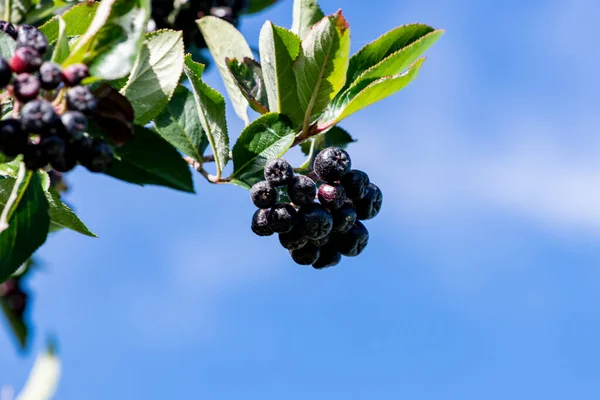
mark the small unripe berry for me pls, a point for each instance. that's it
(25, 59)
(306, 255)
(264, 195)
(352, 243)
(344, 218)
(38, 116)
(302, 190)
(332, 196)
(328, 257)
(9, 29)
(260, 223)
(282, 218)
(315, 221)
(356, 184)
(279, 172)
(13, 141)
(5, 73)
(29, 36)
(74, 74)
(293, 240)
(81, 98)
(332, 163)
(369, 206)
(26, 87)
(50, 75)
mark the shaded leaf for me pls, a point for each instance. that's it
(249, 78)
(17, 325)
(77, 20)
(113, 115)
(306, 14)
(254, 6)
(7, 46)
(61, 50)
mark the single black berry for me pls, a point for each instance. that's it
(356, 184)
(81, 98)
(264, 195)
(332, 196)
(352, 243)
(322, 241)
(50, 75)
(75, 124)
(25, 59)
(35, 157)
(328, 257)
(260, 223)
(9, 29)
(96, 156)
(74, 74)
(67, 162)
(302, 190)
(5, 73)
(29, 36)
(26, 87)
(53, 147)
(306, 255)
(282, 218)
(13, 141)
(38, 116)
(279, 172)
(293, 240)
(369, 206)
(314, 221)
(344, 218)
(332, 163)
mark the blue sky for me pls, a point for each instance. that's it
(480, 281)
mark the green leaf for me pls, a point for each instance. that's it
(270, 136)
(306, 14)
(148, 159)
(43, 378)
(335, 137)
(155, 74)
(321, 67)
(248, 76)
(211, 110)
(225, 41)
(7, 46)
(77, 20)
(179, 123)
(112, 42)
(25, 219)
(61, 216)
(14, 10)
(254, 6)
(392, 53)
(368, 92)
(279, 48)
(61, 50)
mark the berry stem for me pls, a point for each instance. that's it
(198, 167)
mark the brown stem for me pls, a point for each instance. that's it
(198, 167)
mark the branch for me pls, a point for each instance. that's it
(198, 167)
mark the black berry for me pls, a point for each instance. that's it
(75, 124)
(356, 184)
(315, 222)
(35, 157)
(264, 195)
(369, 206)
(306, 255)
(279, 172)
(25, 59)
(260, 223)
(9, 29)
(50, 75)
(352, 243)
(332, 196)
(81, 98)
(302, 190)
(13, 141)
(29, 36)
(16, 303)
(328, 257)
(321, 242)
(344, 218)
(96, 156)
(282, 218)
(38, 116)
(331, 164)
(74, 74)
(293, 240)
(5, 73)
(53, 147)
(67, 162)
(26, 87)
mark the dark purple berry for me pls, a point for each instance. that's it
(38, 116)
(352, 243)
(17, 302)
(314, 221)
(26, 87)
(29, 36)
(67, 162)
(35, 157)
(369, 206)
(293, 240)
(328, 257)
(54, 147)
(50, 75)
(264, 195)
(13, 141)
(282, 218)
(321, 242)
(306, 255)
(344, 218)
(5, 73)
(25, 59)
(302, 190)
(75, 124)
(332, 163)
(8, 287)
(332, 196)
(279, 172)
(81, 98)
(356, 184)
(96, 157)
(75, 73)
(260, 223)
(9, 29)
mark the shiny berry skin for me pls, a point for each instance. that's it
(96, 155)
(306, 255)
(328, 257)
(50, 75)
(81, 98)
(75, 124)
(292, 240)
(35, 157)
(25, 59)
(260, 223)
(321, 242)
(282, 218)
(356, 184)
(9, 29)
(5, 73)
(278, 172)
(38, 116)
(352, 243)
(29, 36)
(13, 141)
(264, 195)
(369, 206)
(344, 218)
(331, 164)
(314, 221)
(26, 87)
(331, 196)
(74, 74)
(302, 190)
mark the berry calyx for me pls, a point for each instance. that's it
(344, 218)
(264, 195)
(356, 184)
(282, 218)
(332, 196)
(302, 190)
(314, 221)
(81, 98)
(50, 75)
(26, 87)
(25, 59)
(9, 29)
(38, 116)
(278, 172)
(306, 255)
(29, 36)
(328, 257)
(352, 243)
(5, 73)
(260, 223)
(13, 141)
(331, 164)
(293, 240)
(369, 206)
(75, 73)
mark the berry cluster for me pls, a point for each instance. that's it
(317, 233)
(14, 297)
(51, 107)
